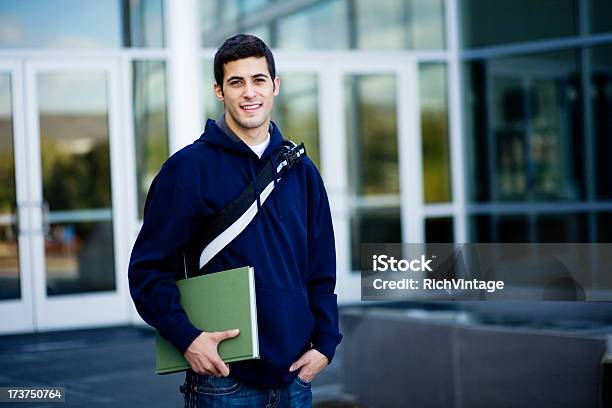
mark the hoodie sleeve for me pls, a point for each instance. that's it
(170, 218)
(322, 270)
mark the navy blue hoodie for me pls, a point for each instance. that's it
(290, 243)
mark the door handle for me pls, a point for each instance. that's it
(15, 225)
(45, 218)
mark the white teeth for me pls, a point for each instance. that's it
(251, 107)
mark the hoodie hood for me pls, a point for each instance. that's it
(215, 136)
(227, 140)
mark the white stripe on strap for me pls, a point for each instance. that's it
(216, 245)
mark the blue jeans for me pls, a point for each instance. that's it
(228, 392)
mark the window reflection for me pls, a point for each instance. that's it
(496, 228)
(524, 120)
(9, 246)
(296, 112)
(213, 108)
(81, 24)
(486, 23)
(427, 24)
(371, 140)
(604, 227)
(79, 258)
(372, 134)
(9, 262)
(323, 26)
(562, 228)
(434, 132)
(60, 24)
(74, 140)
(145, 21)
(600, 79)
(397, 24)
(262, 32)
(329, 24)
(150, 123)
(373, 225)
(74, 136)
(439, 230)
(519, 228)
(216, 13)
(381, 24)
(7, 160)
(600, 12)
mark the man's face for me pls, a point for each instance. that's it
(248, 92)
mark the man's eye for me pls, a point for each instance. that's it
(260, 80)
(235, 83)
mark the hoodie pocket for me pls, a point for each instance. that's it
(285, 324)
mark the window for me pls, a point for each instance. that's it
(600, 79)
(487, 23)
(434, 132)
(84, 24)
(524, 127)
(296, 111)
(398, 24)
(328, 24)
(601, 10)
(371, 115)
(74, 140)
(150, 123)
(439, 230)
(323, 26)
(9, 239)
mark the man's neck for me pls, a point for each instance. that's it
(251, 137)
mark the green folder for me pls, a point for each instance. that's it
(216, 302)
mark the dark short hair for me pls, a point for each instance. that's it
(238, 47)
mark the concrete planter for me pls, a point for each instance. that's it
(401, 358)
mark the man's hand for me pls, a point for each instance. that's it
(202, 353)
(310, 364)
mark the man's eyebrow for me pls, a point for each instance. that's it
(258, 75)
(234, 77)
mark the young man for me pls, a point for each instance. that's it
(290, 243)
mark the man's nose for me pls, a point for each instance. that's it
(249, 91)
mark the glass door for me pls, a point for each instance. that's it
(365, 110)
(378, 129)
(74, 184)
(15, 261)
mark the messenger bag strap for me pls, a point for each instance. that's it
(238, 214)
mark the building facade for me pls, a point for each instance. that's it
(430, 120)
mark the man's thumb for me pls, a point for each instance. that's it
(228, 334)
(301, 361)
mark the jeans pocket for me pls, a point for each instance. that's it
(211, 385)
(302, 382)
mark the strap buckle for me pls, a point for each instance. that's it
(291, 158)
(293, 155)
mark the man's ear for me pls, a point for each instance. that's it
(276, 86)
(218, 92)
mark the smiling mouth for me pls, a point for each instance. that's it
(251, 107)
